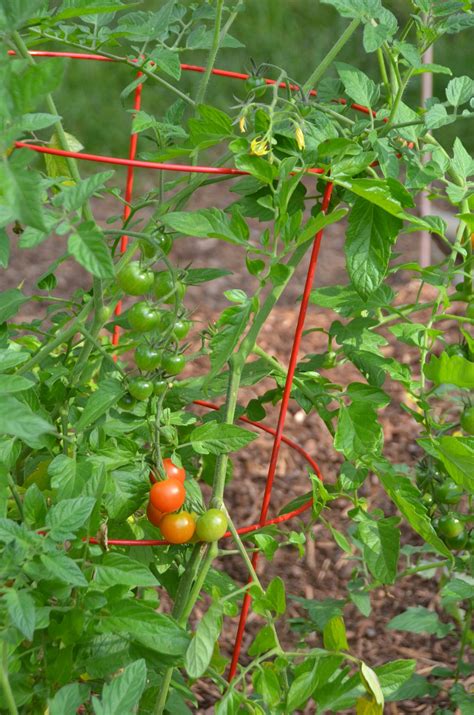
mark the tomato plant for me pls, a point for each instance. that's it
(384, 364)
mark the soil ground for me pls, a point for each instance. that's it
(325, 569)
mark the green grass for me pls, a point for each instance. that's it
(294, 34)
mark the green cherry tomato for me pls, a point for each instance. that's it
(467, 420)
(127, 402)
(167, 289)
(158, 244)
(256, 85)
(212, 525)
(456, 542)
(172, 363)
(135, 280)
(450, 526)
(181, 328)
(447, 492)
(458, 349)
(147, 358)
(427, 499)
(144, 317)
(159, 386)
(105, 313)
(140, 388)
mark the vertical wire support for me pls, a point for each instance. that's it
(132, 151)
(281, 420)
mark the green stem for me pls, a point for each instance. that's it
(318, 72)
(216, 40)
(424, 567)
(12, 485)
(7, 691)
(466, 632)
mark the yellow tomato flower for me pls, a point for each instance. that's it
(299, 136)
(242, 124)
(259, 146)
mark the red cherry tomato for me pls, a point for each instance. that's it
(153, 515)
(168, 495)
(172, 471)
(178, 528)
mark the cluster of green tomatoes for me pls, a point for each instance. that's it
(165, 510)
(442, 496)
(159, 329)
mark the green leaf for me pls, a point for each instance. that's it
(457, 455)
(392, 675)
(21, 609)
(457, 590)
(316, 223)
(68, 477)
(10, 301)
(371, 682)
(370, 236)
(459, 90)
(358, 431)
(74, 197)
(123, 693)
(68, 516)
(77, 8)
(206, 223)
(420, 620)
(167, 61)
(14, 383)
(117, 568)
(256, 166)
(127, 494)
(408, 500)
(377, 192)
(381, 544)
(334, 634)
(450, 370)
(210, 127)
(87, 245)
(4, 248)
(275, 595)
(302, 688)
(263, 641)
(143, 624)
(196, 276)
(107, 395)
(231, 326)
(68, 699)
(217, 438)
(358, 86)
(200, 650)
(62, 568)
(19, 420)
(34, 506)
(39, 120)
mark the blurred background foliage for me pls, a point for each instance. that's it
(293, 34)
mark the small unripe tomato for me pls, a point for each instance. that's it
(467, 420)
(456, 542)
(172, 471)
(450, 526)
(135, 280)
(140, 388)
(153, 515)
(173, 363)
(168, 495)
(147, 358)
(212, 525)
(160, 386)
(104, 314)
(256, 85)
(178, 528)
(181, 328)
(144, 317)
(127, 402)
(167, 288)
(447, 492)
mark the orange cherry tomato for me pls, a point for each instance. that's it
(168, 495)
(172, 471)
(154, 516)
(178, 528)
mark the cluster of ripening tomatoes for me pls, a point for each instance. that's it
(164, 510)
(157, 354)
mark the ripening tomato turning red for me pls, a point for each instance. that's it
(178, 528)
(168, 495)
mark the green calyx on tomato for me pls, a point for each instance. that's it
(178, 528)
(167, 288)
(140, 388)
(450, 525)
(173, 363)
(467, 420)
(211, 526)
(147, 358)
(135, 280)
(144, 317)
(168, 495)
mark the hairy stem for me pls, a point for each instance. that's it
(318, 72)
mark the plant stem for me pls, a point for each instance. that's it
(318, 72)
(7, 691)
(12, 485)
(424, 567)
(216, 40)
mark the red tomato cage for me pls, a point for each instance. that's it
(277, 433)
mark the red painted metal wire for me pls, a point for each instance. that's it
(279, 437)
(281, 421)
(132, 151)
